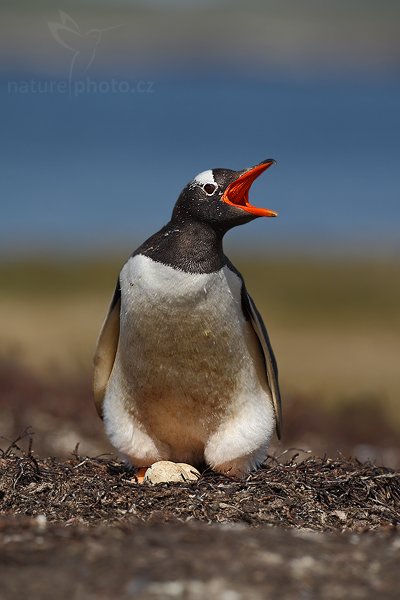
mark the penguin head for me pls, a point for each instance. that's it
(220, 197)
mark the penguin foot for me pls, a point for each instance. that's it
(165, 471)
(140, 474)
(239, 469)
(232, 472)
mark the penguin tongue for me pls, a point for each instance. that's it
(237, 193)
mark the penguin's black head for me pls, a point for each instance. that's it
(220, 197)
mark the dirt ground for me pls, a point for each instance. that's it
(193, 561)
(83, 528)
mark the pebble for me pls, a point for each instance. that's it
(165, 471)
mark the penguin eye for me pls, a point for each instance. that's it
(210, 188)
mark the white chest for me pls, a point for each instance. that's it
(170, 311)
(146, 281)
(181, 334)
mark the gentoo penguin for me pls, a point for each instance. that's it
(184, 369)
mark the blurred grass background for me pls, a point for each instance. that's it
(313, 83)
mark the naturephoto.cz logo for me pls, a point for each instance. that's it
(82, 46)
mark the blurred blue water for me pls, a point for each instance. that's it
(103, 169)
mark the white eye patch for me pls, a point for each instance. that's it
(206, 180)
(205, 177)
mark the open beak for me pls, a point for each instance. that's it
(237, 193)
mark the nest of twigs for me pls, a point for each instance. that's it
(320, 494)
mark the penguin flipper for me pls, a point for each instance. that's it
(271, 366)
(106, 349)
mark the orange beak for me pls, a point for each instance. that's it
(237, 193)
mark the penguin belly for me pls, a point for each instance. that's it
(188, 382)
